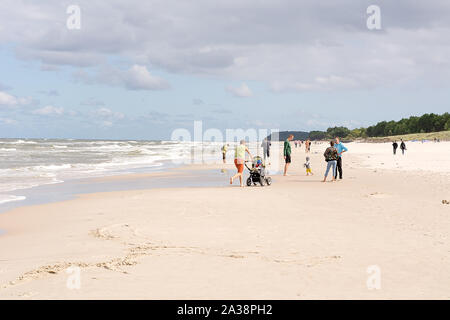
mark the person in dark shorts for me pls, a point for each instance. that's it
(287, 153)
(403, 146)
(395, 146)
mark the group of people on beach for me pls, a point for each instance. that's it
(402, 146)
(333, 157)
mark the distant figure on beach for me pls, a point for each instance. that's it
(307, 146)
(340, 150)
(265, 145)
(402, 146)
(287, 153)
(395, 146)
(239, 159)
(331, 156)
(224, 152)
(307, 165)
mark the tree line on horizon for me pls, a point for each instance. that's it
(426, 123)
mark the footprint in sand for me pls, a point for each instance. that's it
(378, 195)
(27, 294)
(115, 231)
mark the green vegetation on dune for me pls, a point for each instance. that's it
(427, 126)
(426, 123)
(441, 135)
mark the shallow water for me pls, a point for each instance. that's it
(31, 163)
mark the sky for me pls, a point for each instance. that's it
(141, 69)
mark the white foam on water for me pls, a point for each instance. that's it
(30, 163)
(4, 198)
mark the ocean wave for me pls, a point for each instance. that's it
(4, 198)
(41, 162)
(23, 142)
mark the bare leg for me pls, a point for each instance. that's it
(286, 165)
(235, 176)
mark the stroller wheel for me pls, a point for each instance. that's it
(249, 182)
(262, 182)
(269, 181)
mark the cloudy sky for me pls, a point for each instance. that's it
(140, 69)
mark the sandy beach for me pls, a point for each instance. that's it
(297, 239)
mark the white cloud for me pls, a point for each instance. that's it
(106, 113)
(50, 93)
(139, 78)
(290, 44)
(8, 121)
(92, 102)
(105, 117)
(242, 92)
(12, 101)
(49, 110)
(136, 77)
(106, 123)
(319, 83)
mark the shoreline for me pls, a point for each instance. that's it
(134, 181)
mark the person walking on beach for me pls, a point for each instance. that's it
(331, 156)
(224, 152)
(239, 159)
(265, 145)
(395, 146)
(307, 146)
(307, 165)
(403, 147)
(287, 153)
(340, 149)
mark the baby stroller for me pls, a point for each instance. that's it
(257, 173)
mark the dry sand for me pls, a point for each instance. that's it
(297, 239)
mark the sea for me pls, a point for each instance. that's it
(32, 163)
